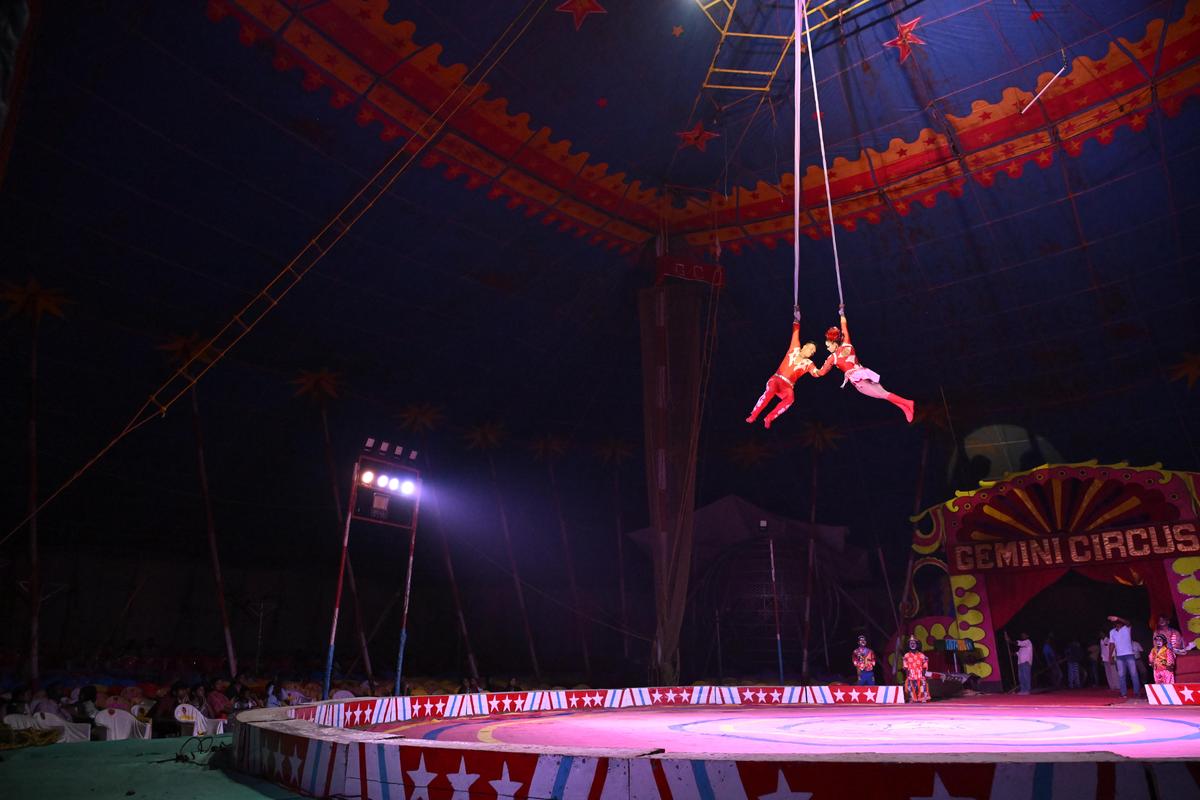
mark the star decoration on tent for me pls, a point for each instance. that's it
(486, 436)
(321, 384)
(697, 137)
(820, 437)
(905, 39)
(677, 31)
(1187, 370)
(32, 300)
(748, 453)
(581, 10)
(421, 417)
(548, 447)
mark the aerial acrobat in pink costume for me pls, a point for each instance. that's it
(866, 381)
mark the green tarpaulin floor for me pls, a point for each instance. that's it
(129, 769)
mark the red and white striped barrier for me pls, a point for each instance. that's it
(1173, 694)
(361, 712)
(327, 764)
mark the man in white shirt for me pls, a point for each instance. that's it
(1025, 662)
(1122, 640)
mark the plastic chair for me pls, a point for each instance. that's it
(19, 722)
(120, 724)
(141, 709)
(343, 694)
(194, 723)
(70, 731)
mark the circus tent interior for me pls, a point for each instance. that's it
(549, 253)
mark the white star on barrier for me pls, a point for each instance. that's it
(441, 707)
(839, 695)
(599, 699)
(1186, 694)
(278, 763)
(854, 695)
(296, 761)
(265, 752)
(939, 791)
(421, 779)
(656, 696)
(761, 695)
(461, 781)
(504, 786)
(784, 792)
(671, 696)
(493, 704)
(587, 701)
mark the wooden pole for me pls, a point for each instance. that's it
(350, 580)
(512, 565)
(808, 585)
(569, 561)
(35, 570)
(211, 527)
(621, 561)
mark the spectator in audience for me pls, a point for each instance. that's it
(1075, 660)
(199, 697)
(275, 697)
(244, 699)
(218, 701)
(85, 707)
(46, 702)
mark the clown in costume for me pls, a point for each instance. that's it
(797, 362)
(842, 356)
(915, 664)
(864, 661)
(1162, 660)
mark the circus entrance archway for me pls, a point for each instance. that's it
(1073, 608)
(998, 547)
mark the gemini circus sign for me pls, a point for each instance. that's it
(1068, 550)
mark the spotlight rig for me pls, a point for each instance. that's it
(388, 488)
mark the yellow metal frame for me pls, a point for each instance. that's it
(721, 14)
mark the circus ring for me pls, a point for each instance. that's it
(725, 742)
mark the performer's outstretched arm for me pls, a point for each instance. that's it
(845, 331)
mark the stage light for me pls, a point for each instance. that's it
(408, 488)
(382, 482)
(368, 478)
(394, 484)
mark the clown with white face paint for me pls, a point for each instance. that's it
(864, 662)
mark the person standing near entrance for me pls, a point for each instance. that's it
(1122, 639)
(1109, 658)
(1025, 663)
(1173, 637)
(864, 662)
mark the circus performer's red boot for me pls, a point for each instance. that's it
(902, 403)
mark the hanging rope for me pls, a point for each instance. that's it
(837, 267)
(797, 63)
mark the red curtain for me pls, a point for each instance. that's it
(1008, 592)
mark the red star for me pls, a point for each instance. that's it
(581, 9)
(697, 137)
(1035, 16)
(905, 38)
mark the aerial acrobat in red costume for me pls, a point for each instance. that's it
(866, 381)
(796, 363)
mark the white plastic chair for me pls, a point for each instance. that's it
(343, 694)
(141, 709)
(196, 724)
(120, 724)
(19, 722)
(70, 731)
